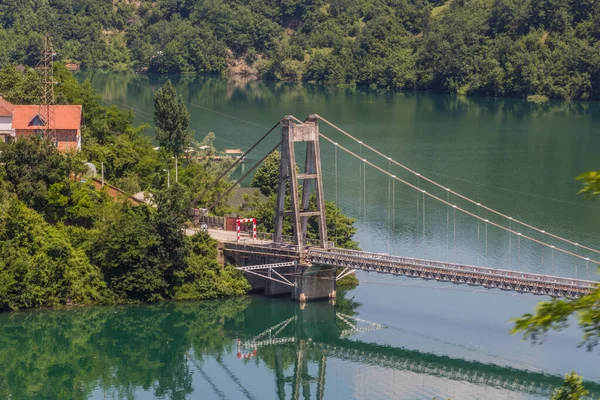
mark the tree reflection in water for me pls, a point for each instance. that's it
(163, 349)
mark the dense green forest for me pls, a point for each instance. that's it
(467, 47)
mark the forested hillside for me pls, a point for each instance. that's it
(472, 47)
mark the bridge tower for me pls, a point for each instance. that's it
(311, 178)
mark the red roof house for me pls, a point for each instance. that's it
(6, 108)
(27, 121)
(6, 117)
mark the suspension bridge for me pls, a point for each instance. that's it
(309, 268)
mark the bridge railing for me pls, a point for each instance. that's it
(266, 236)
(455, 267)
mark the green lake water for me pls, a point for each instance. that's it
(421, 339)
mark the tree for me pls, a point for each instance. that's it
(266, 178)
(127, 250)
(554, 315)
(33, 165)
(172, 121)
(38, 264)
(572, 388)
(171, 213)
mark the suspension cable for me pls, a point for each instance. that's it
(225, 193)
(456, 207)
(239, 160)
(458, 194)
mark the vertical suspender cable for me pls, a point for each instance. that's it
(336, 195)
(365, 190)
(418, 185)
(389, 199)
(587, 270)
(360, 186)
(519, 257)
(542, 258)
(576, 252)
(543, 252)
(454, 231)
(394, 206)
(447, 223)
(423, 216)
(478, 240)
(510, 244)
(486, 243)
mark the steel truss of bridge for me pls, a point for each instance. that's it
(521, 282)
(491, 278)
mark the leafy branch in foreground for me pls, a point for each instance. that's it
(591, 183)
(554, 315)
(572, 388)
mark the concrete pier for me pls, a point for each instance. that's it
(310, 282)
(315, 283)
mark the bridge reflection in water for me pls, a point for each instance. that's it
(285, 350)
(305, 337)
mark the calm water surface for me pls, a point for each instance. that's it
(434, 340)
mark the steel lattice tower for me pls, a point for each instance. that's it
(292, 133)
(46, 70)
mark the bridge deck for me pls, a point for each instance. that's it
(522, 282)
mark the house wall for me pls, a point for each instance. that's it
(5, 124)
(68, 139)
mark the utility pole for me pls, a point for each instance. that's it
(168, 171)
(46, 70)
